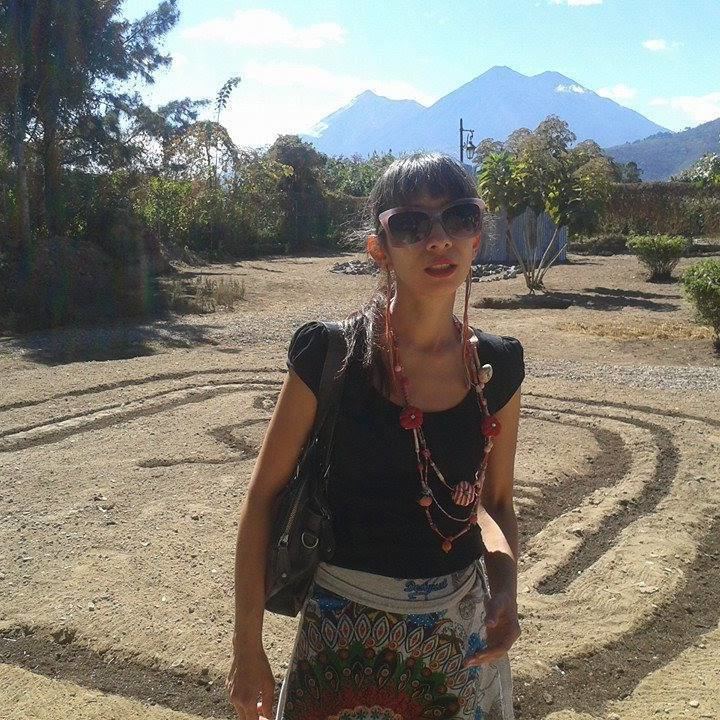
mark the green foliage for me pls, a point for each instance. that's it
(65, 62)
(701, 284)
(538, 171)
(607, 244)
(305, 221)
(356, 175)
(221, 99)
(659, 253)
(704, 173)
(500, 186)
(661, 208)
(628, 172)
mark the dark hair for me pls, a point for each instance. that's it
(433, 174)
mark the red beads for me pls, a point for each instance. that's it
(425, 500)
(490, 426)
(464, 493)
(411, 418)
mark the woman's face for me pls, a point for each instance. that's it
(419, 267)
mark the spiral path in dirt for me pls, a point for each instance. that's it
(117, 524)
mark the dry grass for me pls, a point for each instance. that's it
(631, 330)
(205, 294)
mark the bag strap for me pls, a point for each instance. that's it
(329, 394)
(331, 382)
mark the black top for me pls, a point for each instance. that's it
(379, 526)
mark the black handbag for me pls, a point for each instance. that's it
(301, 534)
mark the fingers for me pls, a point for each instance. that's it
(493, 653)
(246, 705)
(485, 657)
(268, 698)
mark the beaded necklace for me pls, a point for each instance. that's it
(465, 493)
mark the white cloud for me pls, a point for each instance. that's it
(283, 98)
(265, 28)
(657, 45)
(660, 45)
(317, 78)
(697, 108)
(179, 61)
(617, 92)
(577, 3)
(571, 88)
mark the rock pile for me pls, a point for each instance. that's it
(356, 267)
(493, 271)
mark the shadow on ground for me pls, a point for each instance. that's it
(117, 340)
(601, 298)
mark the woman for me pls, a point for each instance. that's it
(415, 614)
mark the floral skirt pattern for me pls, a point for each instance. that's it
(376, 648)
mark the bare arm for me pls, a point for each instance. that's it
(284, 440)
(500, 534)
(497, 516)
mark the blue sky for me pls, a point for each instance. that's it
(301, 60)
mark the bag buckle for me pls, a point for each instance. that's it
(310, 542)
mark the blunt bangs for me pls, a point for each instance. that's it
(407, 178)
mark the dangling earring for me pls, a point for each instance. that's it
(467, 359)
(388, 337)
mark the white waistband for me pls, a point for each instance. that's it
(399, 595)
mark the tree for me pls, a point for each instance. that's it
(704, 173)
(540, 173)
(486, 147)
(304, 205)
(65, 61)
(356, 175)
(631, 173)
(163, 127)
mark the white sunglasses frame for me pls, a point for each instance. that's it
(385, 216)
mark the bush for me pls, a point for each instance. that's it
(203, 295)
(659, 253)
(608, 244)
(662, 207)
(701, 283)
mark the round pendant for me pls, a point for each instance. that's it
(447, 546)
(486, 373)
(464, 494)
(425, 500)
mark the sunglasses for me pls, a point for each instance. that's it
(460, 220)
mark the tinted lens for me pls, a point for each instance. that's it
(462, 221)
(408, 227)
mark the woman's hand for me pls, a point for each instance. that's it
(250, 677)
(503, 629)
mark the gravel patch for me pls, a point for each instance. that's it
(654, 377)
(128, 340)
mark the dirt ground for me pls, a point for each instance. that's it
(125, 453)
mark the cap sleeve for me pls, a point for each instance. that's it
(506, 355)
(306, 354)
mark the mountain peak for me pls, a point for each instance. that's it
(554, 76)
(494, 104)
(501, 71)
(367, 95)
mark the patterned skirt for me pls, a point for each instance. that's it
(370, 647)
